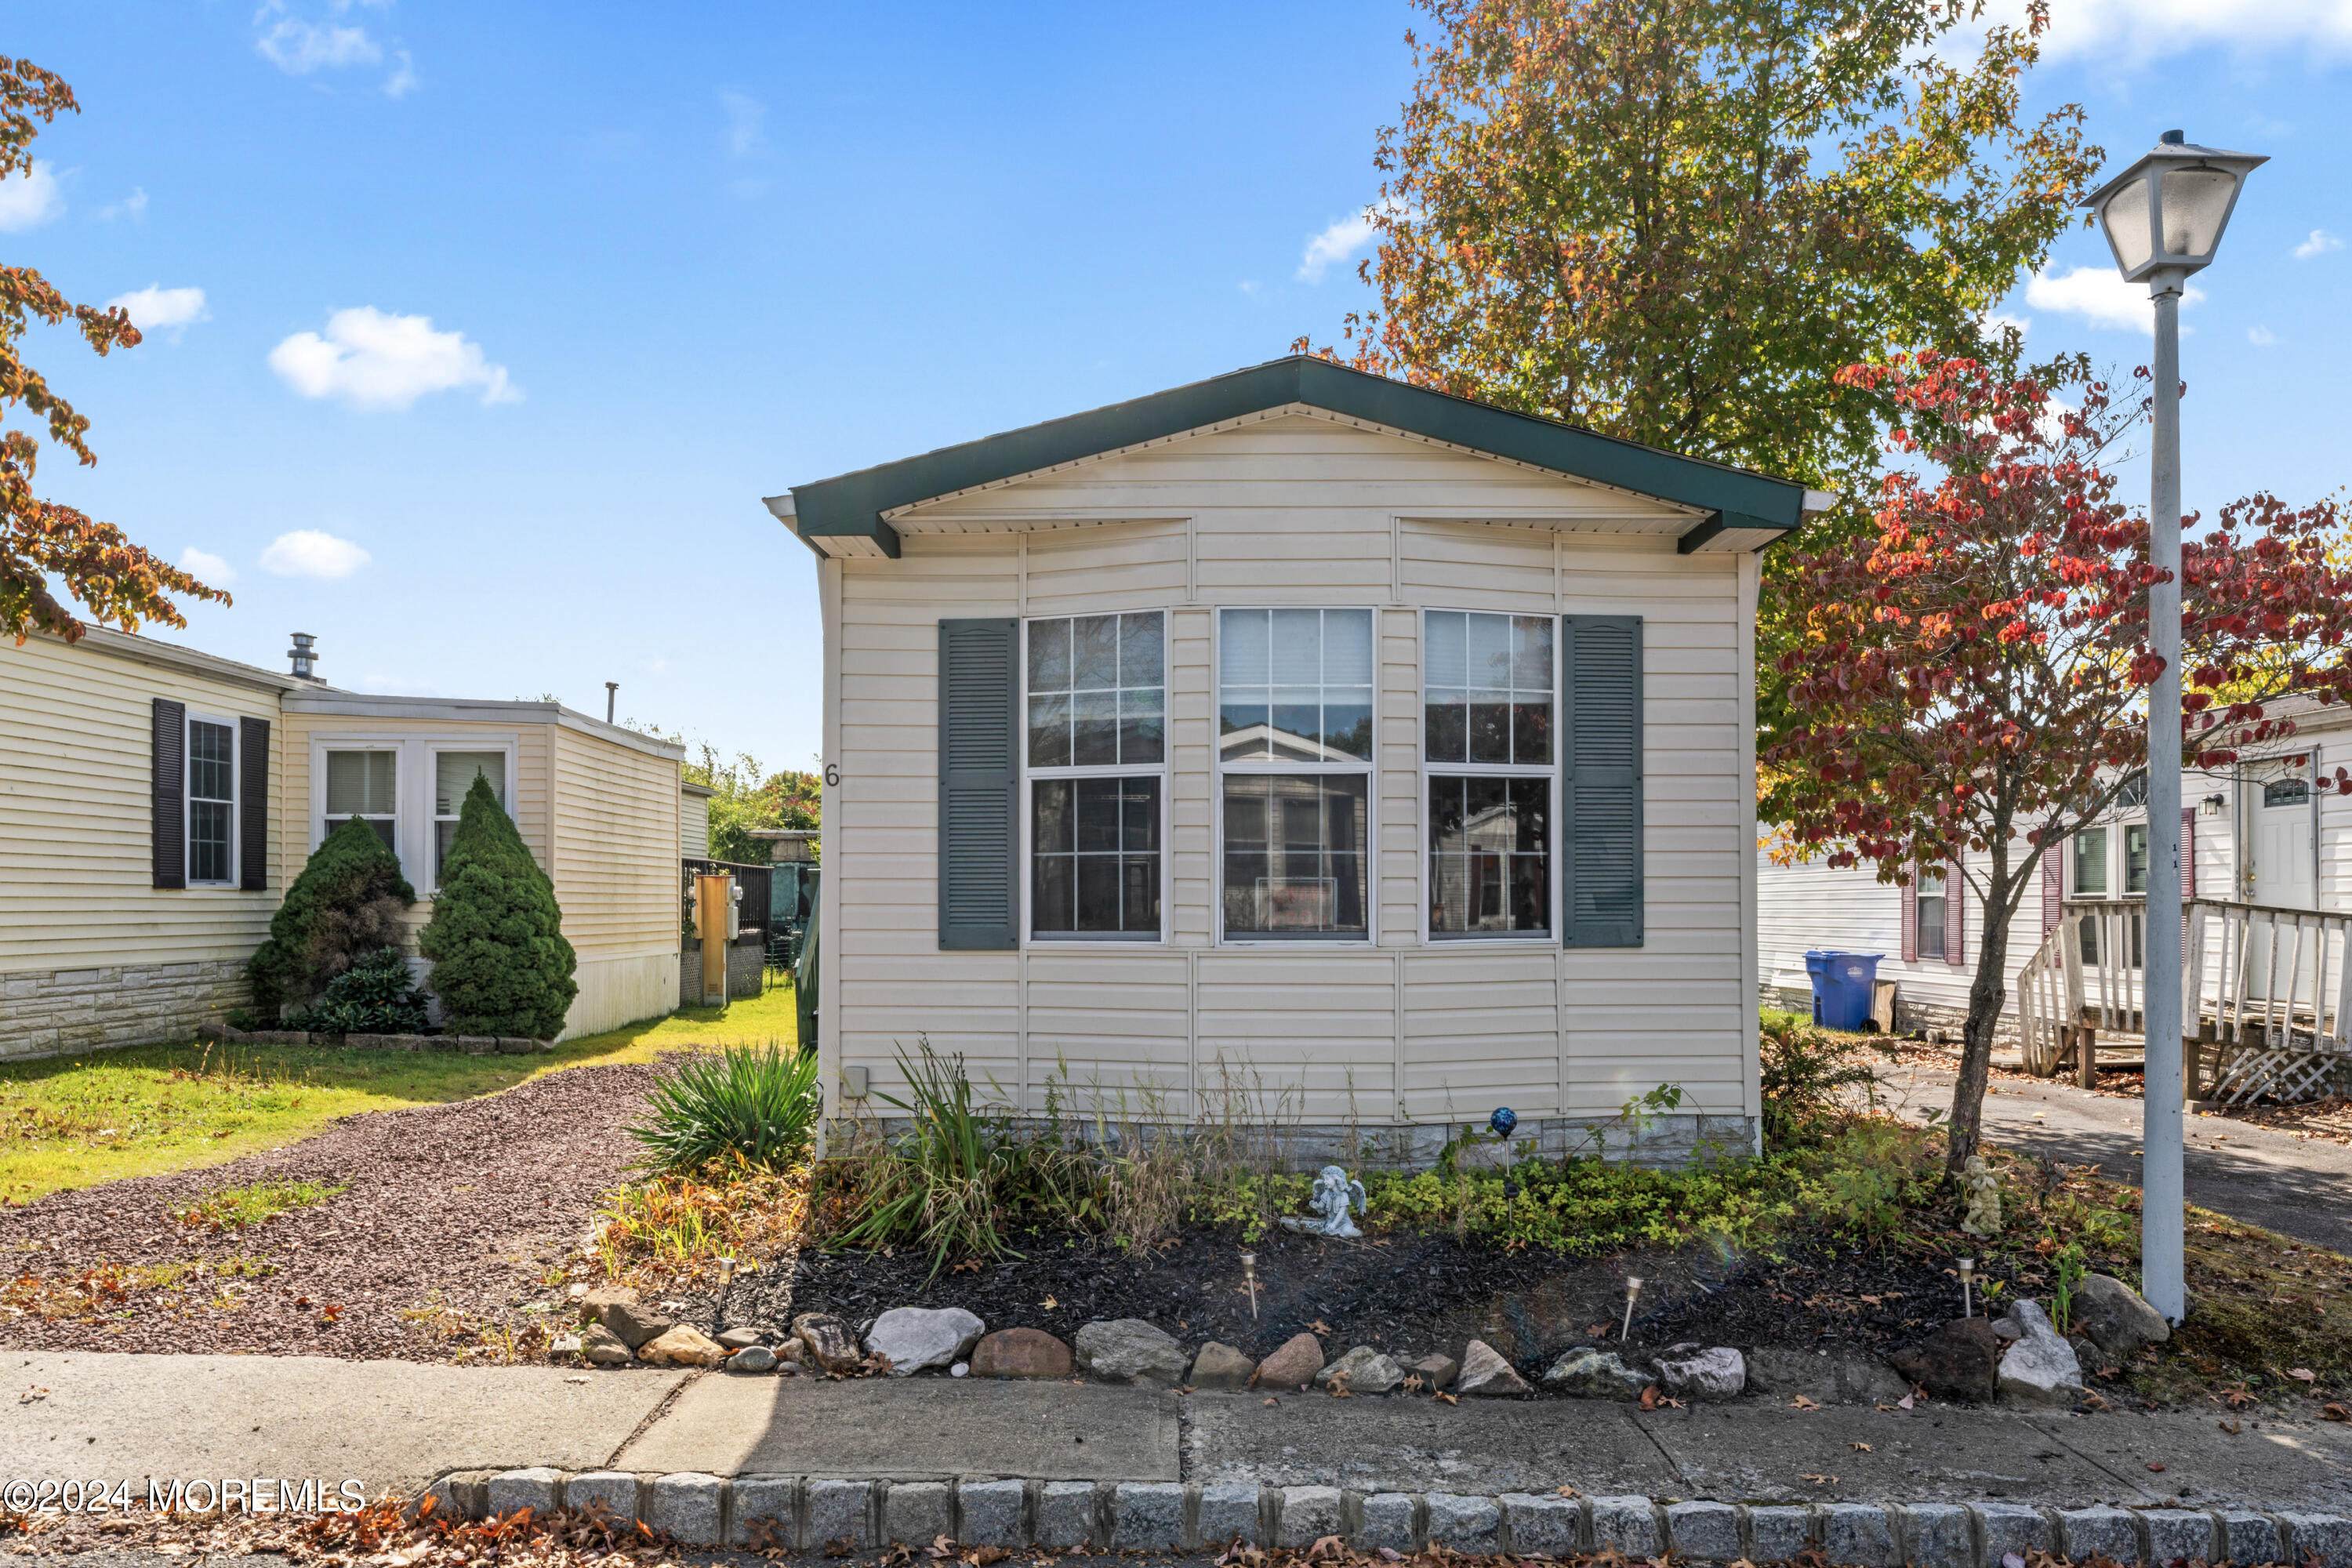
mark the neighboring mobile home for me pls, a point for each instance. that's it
(1386, 754)
(156, 802)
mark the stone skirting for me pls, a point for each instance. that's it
(47, 1013)
(1664, 1142)
(808, 1513)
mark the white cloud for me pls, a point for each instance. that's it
(207, 566)
(2133, 32)
(155, 307)
(371, 360)
(2101, 297)
(308, 553)
(747, 118)
(2260, 337)
(1995, 323)
(132, 206)
(299, 47)
(28, 200)
(1250, 286)
(402, 81)
(2319, 243)
(1335, 243)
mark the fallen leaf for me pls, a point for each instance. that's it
(1447, 1397)
(2303, 1374)
(1905, 1403)
(32, 1396)
(1860, 1447)
(1412, 1384)
(1566, 1491)
(1598, 1329)
(2158, 1468)
(1819, 1481)
(1802, 1403)
(575, 1380)
(2238, 1398)
(1327, 1546)
(1049, 1303)
(1320, 1327)
(1269, 1401)
(2232, 1428)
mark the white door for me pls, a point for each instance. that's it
(2283, 876)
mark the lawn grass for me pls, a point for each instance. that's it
(76, 1121)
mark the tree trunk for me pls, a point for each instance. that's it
(1988, 993)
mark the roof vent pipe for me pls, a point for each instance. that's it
(304, 655)
(611, 695)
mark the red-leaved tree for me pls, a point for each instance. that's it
(1973, 673)
(40, 540)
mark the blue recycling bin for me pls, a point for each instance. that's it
(1843, 984)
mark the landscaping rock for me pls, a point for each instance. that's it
(2006, 1330)
(1364, 1370)
(1435, 1371)
(1826, 1378)
(563, 1344)
(1020, 1352)
(752, 1358)
(1955, 1362)
(737, 1338)
(1717, 1373)
(826, 1341)
(1487, 1375)
(2115, 1316)
(681, 1346)
(1590, 1374)
(2040, 1368)
(1293, 1365)
(600, 1346)
(917, 1338)
(1129, 1350)
(618, 1309)
(1221, 1367)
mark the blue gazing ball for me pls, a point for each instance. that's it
(1502, 1122)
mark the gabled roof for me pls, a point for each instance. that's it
(848, 515)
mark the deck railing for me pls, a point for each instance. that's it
(2265, 993)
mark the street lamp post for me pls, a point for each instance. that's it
(2163, 219)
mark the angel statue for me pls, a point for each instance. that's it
(1334, 1190)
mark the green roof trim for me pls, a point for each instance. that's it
(851, 507)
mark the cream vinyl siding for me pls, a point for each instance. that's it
(1304, 511)
(76, 867)
(615, 873)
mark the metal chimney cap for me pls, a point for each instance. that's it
(303, 655)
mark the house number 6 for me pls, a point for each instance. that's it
(832, 774)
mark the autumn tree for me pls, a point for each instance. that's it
(114, 579)
(1971, 684)
(1674, 221)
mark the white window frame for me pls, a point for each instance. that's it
(412, 822)
(1083, 942)
(1427, 769)
(188, 796)
(431, 771)
(1218, 767)
(1944, 884)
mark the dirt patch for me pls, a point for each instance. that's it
(453, 1223)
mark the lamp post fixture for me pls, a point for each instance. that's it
(2163, 217)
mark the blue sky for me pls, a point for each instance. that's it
(509, 316)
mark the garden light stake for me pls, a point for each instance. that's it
(1968, 1272)
(1249, 1273)
(726, 1282)
(1633, 1288)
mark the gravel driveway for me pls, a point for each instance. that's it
(454, 1219)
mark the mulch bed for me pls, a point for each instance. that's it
(455, 1217)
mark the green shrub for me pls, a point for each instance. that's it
(375, 996)
(758, 1104)
(346, 903)
(1804, 1071)
(500, 965)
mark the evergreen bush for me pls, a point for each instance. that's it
(500, 965)
(374, 996)
(346, 904)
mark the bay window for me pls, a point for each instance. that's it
(1487, 743)
(364, 785)
(1294, 761)
(1096, 742)
(454, 774)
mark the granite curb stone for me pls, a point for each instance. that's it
(615, 1489)
(1705, 1531)
(1309, 1514)
(1470, 1525)
(538, 1488)
(1066, 1515)
(918, 1512)
(838, 1511)
(1940, 1535)
(1861, 1533)
(690, 1507)
(2108, 1532)
(989, 1513)
(762, 1501)
(1388, 1523)
(1628, 1525)
(2249, 1537)
(1545, 1526)
(1776, 1533)
(1147, 1516)
(2007, 1527)
(1226, 1513)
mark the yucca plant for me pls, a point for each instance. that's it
(939, 1183)
(757, 1103)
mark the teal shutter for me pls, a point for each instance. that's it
(979, 776)
(1601, 795)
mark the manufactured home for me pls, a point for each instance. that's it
(1385, 756)
(156, 801)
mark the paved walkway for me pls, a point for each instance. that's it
(396, 1425)
(2300, 1187)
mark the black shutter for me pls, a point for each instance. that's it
(170, 783)
(253, 804)
(980, 830)
(1600, 815)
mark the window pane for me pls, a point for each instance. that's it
(1097, 815)
(1142, 725)
(1931, 925)
(2091, 863)
(1531, 732)
(1489, 861)
(359, 784)
(1142, 658)
(1298, 723)
(1049, 656)
(2287, 792)
(1094, 652)
(442, 832)
(1140, 908)
(1094, 728)
(208, 840)
(1049, 731)
(1348, 722)
(1242, 724)
(210, 747)
(1490, 731)
(1309, 878)
(385, 829)
(1446, 727)
(1054, 894)
(2136, 857)
(1531, 653)
(454, 774)
(1298, 647)
(1446, 661)
(1139, 815)
(1052, 828)
(1347, 647)
(1245, 656)
(1490, 654)
(1099, 892)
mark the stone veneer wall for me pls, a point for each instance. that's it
(53, 1012)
